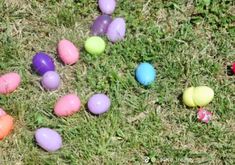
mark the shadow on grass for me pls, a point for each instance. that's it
(229, 70)
(180, 98)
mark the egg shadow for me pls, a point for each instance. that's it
(58, 59)
(33, 71)
(229, 70)
(180, 98)
(87, 110)
(82, 49)
(34, 142)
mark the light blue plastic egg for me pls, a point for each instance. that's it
(145, 74)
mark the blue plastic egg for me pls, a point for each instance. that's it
(145, 74)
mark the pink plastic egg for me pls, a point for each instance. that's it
(68, 52)
(67, 105)
(107, 6)
(204, 115)
(2, 112)
(116, 30)
(9, 82)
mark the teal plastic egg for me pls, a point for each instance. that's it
(145, 74)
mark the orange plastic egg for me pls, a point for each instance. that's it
(6, 125)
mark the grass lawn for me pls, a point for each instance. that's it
(190, 43)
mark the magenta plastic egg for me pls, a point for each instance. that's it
(51, 80)
(9, 82)
(67, 105)
(68, 52)
(48, 139)
(116, 30)
(100, 25)
(98, 104)
(107, 6)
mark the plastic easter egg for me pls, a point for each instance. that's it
(95, 45)
(98, 104)
(198, 96)
(107, 6)
(2, 112)
(116, 30)
(188, 97)
(233, 68)
(145, 74)
(202, 95)
(51, 80)
(48, 139)
(67, 105)
(9, 82)
(204, 115)
(43, 63)
(68, 52)
(6, 125)
(100, 25)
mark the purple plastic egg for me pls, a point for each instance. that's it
(98, 104)
(48, 139)
(116, 30)
(107, 6)
(51, 80)
(43, 63)
(100, 25)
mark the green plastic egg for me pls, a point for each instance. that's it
(95, 45)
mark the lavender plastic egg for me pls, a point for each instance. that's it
(116, 30)
(43, 63)
(98, 104)
(107, 6)
(51, 80)
(48, 139)
(100, 25)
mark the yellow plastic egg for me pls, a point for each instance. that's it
(203, 95)
(198, 96)
(188, 97)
